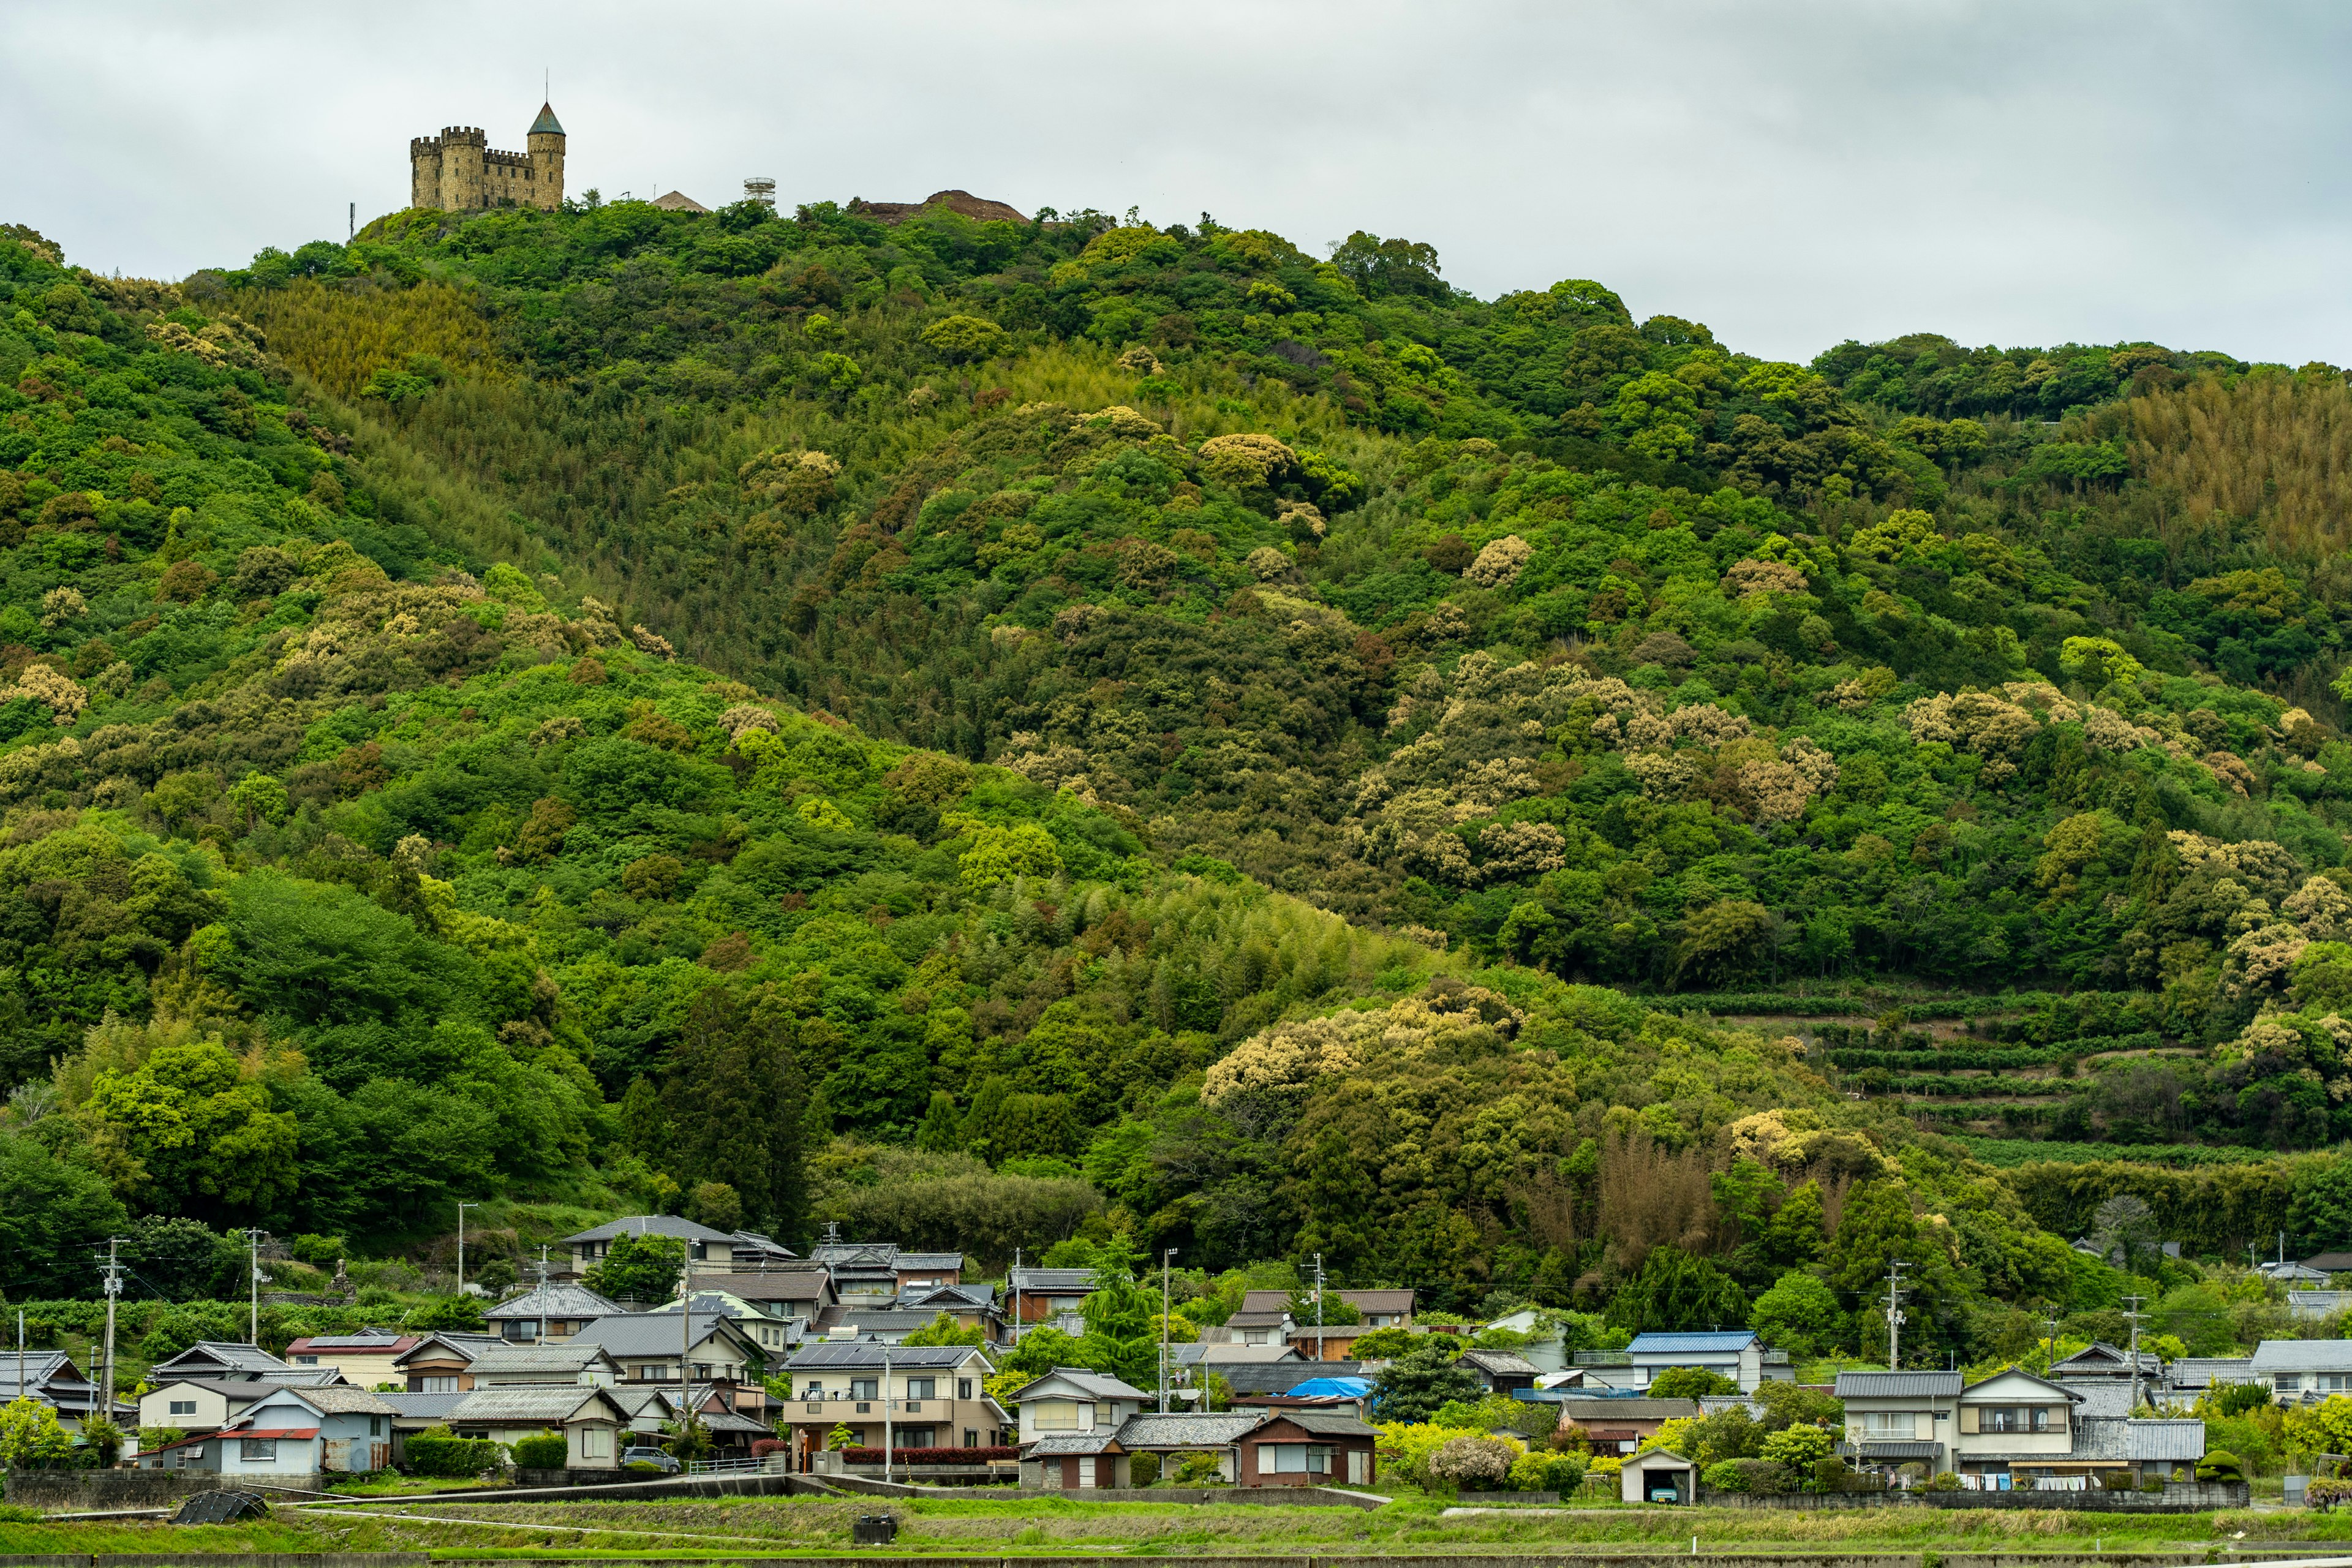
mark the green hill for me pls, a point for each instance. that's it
(988, 730)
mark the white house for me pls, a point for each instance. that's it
(1738, 1354)
(2304, 1371)
(1070, 1401)
(2010, 1430)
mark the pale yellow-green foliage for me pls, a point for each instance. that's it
(338, 336)
(2271, 448)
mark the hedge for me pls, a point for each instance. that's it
(543, 1451)
(930, 1456)
(435, 1451)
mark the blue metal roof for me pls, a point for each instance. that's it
(1673, 1344)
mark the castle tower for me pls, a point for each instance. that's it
(424, 171)
(546, 144)
(464, 150)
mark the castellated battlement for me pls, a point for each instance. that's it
(459, 171)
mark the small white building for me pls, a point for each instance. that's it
(1740, 1355)
(289, 1432)
(1658, 1475)
(1071, 1402)
(589, 1418)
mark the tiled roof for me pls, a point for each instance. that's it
(553, 1301)
(345, 1401)
(646, 1333)
(559, 1402)
(2106, 1396)
(2330, 1262)
(424, 1406)
(651, 1225)
(1248, 1318)
(2101, 1437)
(1378, 1300)
(2204, 1371)
(449, 1342)
(1501, 1364)
(1326, 1423)
(1058, 1444)
(1186, 1431)
(1092, 1384)
(228, 1353)
(1265, 1301)
(2301, 1355)
(555, 1356)
(1602, 1411)
(771, 1285)
(1900, 1448)
(366, 1340)
(1898, 1385)
(1224, 1355)
(1051, 1282)
(944, 1262)
(1692, 1344)
(546, 124)
(828, 1353)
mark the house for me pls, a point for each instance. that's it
(2336, 1261)
(2194, 1374)
(414, 1413)
(442, 1362)
(1544, 1348)
(1738, 1354)
(932, 1396)
(703, 1245)
(1276, 1377)
(2306, 1371)
(1308, 1449)
(1659, 1476)
(1335, 1341)
(1499, 1372)
(878, 1325)
(968, 1306)
(756, 1254)
(2306, 1302)
(864, 1273)
(1170, 1436)
(291, 1433)
(198, 1404)
(648, 1411)
(796, 1295)
(1216, 1356)
(1381, 1309)
(2169, 1450)
(552, 1312)
(590, 1419)
(2294, 1274)
(1264, 1318)
(218, 1358)
(50, 1378)
(1619, 1425)
(652, 1347)
(2102, 1360)
(365, 1358)
(557, 1364)
(774, 1335)
(1895, 1418)
(920, 1270)
(1349, 1396)
(1039, 1295)
(1069, 1400)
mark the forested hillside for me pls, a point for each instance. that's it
(988, 731)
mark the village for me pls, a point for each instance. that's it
(865, 1366)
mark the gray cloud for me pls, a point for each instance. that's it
(1792, 174)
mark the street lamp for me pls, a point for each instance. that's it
(1164, 1258)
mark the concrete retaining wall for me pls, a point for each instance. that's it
(2199, 1497)
(101, 1491)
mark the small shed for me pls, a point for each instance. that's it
(1308, 1448)
(1074, 1461)
(589, 1419)
(1659, 1476)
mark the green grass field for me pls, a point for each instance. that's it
(723, 1527)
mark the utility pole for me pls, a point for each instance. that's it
(20, 1352)
(1164, 1258)
(2135, 1315)
(113, 1291)
(1318, 1306)
(461, 1245)
(2050, 1350)
(1894, 1313)
(1016, 1295)
(253, 1259)
(352, 228)
(888, 1438)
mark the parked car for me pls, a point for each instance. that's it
(653, 1457)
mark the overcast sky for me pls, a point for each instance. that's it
(1790, 174)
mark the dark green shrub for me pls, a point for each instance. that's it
(437, 1451)
(545, 1451)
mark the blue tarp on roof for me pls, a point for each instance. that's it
(1732, 1341)
(1333, 1388)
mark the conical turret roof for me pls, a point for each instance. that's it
(546, 124)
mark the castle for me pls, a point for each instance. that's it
(459, 170)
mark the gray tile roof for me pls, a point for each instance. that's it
(1092, 1384)
(1502, 1363)
(1250, 1318)
(649, 1333)
(826, 1354)
(1187, 1431)
(344, 1400)
(222, 1352)
(2203, 1371)
(1616, 1412)
(559, 1402)
(2100, 1437)
(1217, 1355)
(306, 1377)
(1056, 1445)
(1378, 1300)
(1282, 1376)
(1051, 1282)
(422, 1406)
(1900, 1448)
(944, 1262)
(931, 1297)
(553, 1301)
(2105, 1397)
(2301, 1355)
(541, 1360)
(651, 1225)
(443, 1340)
(1898, 1385)
(1326, 1423)
(771, 1285)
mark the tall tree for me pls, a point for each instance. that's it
(738, 1106)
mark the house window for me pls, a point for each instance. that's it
(375, 1425)
(306, 1360)
(183, 1407)
(963, 1388)
(258, 1450)
(2014, 1418)
(438, 1383)
(1058, 1415)
(595, 1443)
(2333, 1382)
(1295, 1458)
(863, 1387)
(1889, 1423)
(971, 1438)
(922, 1387)
(816, 1387)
